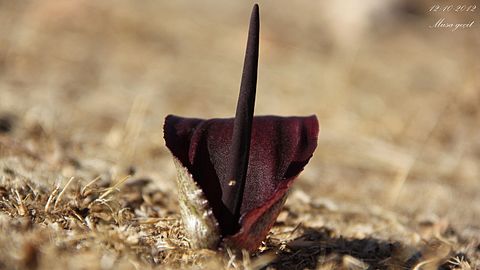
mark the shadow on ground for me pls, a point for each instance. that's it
(318, 247)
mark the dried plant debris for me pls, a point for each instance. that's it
(122, 224)
(318, 248)
(86, 181)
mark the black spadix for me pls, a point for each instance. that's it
(242, 126)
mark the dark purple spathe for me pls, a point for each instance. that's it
(280, 148)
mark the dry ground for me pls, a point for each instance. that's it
(85, 86)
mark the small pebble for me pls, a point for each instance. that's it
(6, 123)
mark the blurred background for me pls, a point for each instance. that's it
(397, 100)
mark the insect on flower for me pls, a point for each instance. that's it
(234, 173)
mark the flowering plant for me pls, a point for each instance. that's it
(234, 174)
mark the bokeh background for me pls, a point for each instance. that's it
(398, 101)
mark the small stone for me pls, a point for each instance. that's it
(6, 123)
(282, 217)
(322, 203)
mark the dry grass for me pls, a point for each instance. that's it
(86, 182)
